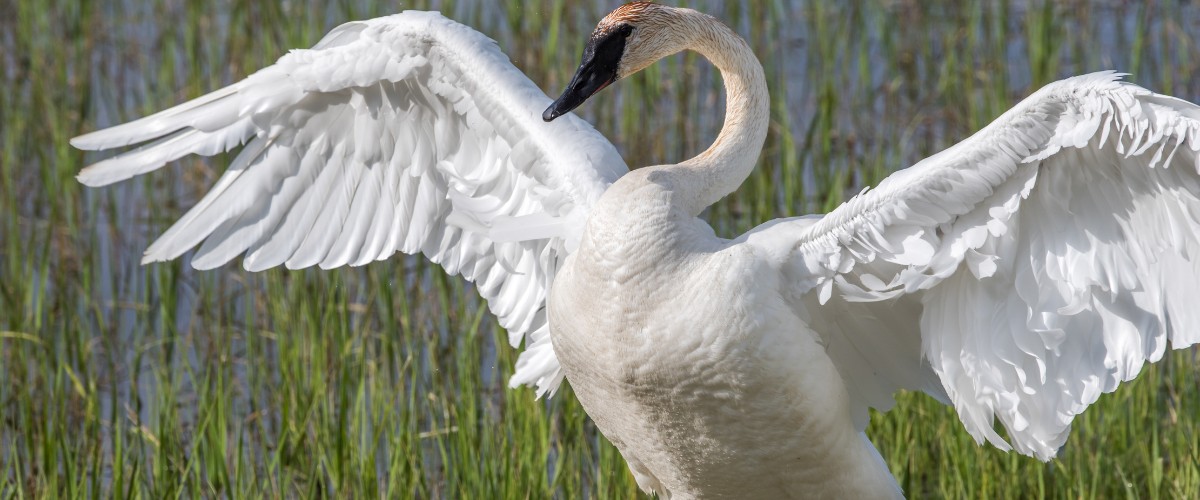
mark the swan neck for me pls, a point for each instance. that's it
(720, 169)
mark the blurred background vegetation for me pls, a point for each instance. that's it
(118, 380)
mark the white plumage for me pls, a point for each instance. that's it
(1017, 275)
(1054, 252)
(409, 133)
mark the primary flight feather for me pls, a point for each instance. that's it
(1017, 275)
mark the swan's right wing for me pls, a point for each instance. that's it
(409, 133)
(1031, 267)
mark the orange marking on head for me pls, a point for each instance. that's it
(628, 13)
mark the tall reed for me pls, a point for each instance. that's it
(389, 380)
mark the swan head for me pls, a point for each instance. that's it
(628, 39)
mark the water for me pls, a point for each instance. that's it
(861, 88)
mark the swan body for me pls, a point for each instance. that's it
(1017, 275)
(713, 386)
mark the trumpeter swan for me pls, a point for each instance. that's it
(1017, 275)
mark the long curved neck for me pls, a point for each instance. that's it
(718, 171)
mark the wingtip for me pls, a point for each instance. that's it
(79, 142)
(88, 178)
(95, 140)
(96, 175)
(154, 255)
(251, 264)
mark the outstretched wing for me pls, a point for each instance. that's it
(408, 133)
(1045, 260)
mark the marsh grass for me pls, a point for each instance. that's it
(124, 381)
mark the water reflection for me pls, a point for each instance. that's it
(861, 88)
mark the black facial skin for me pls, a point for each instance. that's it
(599, 68)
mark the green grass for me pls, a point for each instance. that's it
(389, 381)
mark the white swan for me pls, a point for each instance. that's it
(1016, 275)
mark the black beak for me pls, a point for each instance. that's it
(601, 57)
(587, 81)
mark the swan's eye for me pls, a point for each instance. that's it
(606, 49)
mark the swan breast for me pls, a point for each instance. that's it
(699, 372)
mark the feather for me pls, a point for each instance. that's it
(405, 133)
(1033, 256)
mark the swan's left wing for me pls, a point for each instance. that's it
(1031, 267)
(408, 133)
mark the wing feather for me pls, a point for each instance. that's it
(407, 133)
(1045, 260)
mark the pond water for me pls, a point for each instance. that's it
(859, 88)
